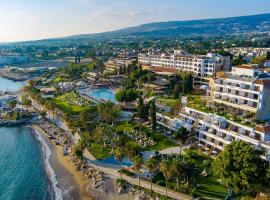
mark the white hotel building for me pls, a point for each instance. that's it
(215, 132)
(202, 67)
(246, 88)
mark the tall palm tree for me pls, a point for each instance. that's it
(177, 169)
(151, 165)
(119, 156)
(108, 112)
(140, 109)
(165, 168)
(181, 135)
(137, 164)
(103, 133)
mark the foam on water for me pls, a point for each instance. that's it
(58, 194)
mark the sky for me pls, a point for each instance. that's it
(22, 20)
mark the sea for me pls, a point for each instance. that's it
(25, 172)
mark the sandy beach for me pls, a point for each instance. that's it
(72, 183)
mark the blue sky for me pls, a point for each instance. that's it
(37, 19)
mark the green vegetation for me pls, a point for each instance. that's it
(239, 166)
(127, 95)
(168, 101)
(196, 102)
(184, 174)
(162, 141)
(209, 187)
(99, 151)
(68, 103)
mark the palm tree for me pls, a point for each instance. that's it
(165, 168)
(137, 163)
(189, 170)
(132, 149)
(140, 112)
(103, 133)
(177, 169)
(151, 165)
(119, 156)
(182, 135)
(108, 112)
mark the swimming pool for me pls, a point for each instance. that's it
(105, 94)
(125, 162)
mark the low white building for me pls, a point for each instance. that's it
(215, 132)
(246, 71)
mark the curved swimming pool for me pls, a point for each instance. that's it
(103, 94)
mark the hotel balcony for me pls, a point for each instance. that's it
(225, 98)
(232, 100)
(252, 104)
(218, 81)
(233, 92)
(229, 138)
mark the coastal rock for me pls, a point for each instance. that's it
(141, 196)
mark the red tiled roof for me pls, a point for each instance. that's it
(247, 67)
(263, 81)
(163, 69)
(221, 74)
(263, 129)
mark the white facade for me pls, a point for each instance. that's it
(200, 66)
(246, 70)
(246, 93)
(216, 132)
(238, 93)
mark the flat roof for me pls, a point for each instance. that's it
(247, 67)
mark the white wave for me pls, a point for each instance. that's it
(58, 194)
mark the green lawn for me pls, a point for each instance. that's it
(169, 101)
(196, 102)
(126, 126)
(67, 105)
(209, 187)
(99, 152)
(162, 141)
(57, 79)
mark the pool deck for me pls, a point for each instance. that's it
(90, 98)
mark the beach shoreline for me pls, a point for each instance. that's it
(72, 183)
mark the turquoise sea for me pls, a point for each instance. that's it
(23, 175)
(22, 169)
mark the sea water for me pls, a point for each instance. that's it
(9, 85)
(22, 166)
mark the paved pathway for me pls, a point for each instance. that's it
(145, 184)
(173, 150)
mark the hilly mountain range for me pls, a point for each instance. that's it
(206, 27)
(209, 27)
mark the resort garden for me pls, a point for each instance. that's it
(105, 134)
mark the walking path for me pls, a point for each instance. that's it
(113, 171)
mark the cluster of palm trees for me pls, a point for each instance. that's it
(174, 169)
(108, 112)
(38, 101)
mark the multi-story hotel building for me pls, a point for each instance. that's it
(246, 88)
(215, 132)
(121, 60)
(202, 67)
